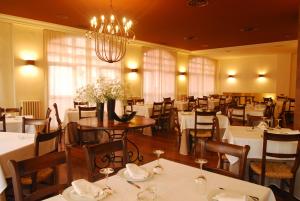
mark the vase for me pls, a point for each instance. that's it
(100, 111)
(111, 104)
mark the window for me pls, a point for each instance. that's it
(201, 77)
(72, 63)
(159, 75)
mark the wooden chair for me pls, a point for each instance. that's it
(128, 108)
(267, 100)
(282, 194)
(15, 111)
(202, 128)
(202, 103)
(30, 167)
(2, 111)
(48, 112)
(237, 115)
(192, 104)
(190, 98)
(156, 113)
(270, 112)
(254, 120)
(3, 120)
(236, 100)
(168, 99)
(44, 174)
(80, 103)
(85, 109)
(177, 128)
(221, 148)
(165, 118)
(83, 131)
(139, 101)
(58, 120)
(59, 123)
(216, 134)
(277, 169)
(105, 155)
(41, 125)
(249, 99)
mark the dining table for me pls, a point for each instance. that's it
(257, 110)
(110, 126)
(243, 135)
(17, 146)
(187, 121)
(176, 183)
(14, 124)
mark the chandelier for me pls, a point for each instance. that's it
(110, 36)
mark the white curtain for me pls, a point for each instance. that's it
(159, 75)
(72, 63)
(201, 73)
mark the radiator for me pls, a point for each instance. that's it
(31, 107)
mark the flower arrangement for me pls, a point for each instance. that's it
(104, 89)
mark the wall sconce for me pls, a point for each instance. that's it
(261, 75)
(30, 62)
(182, 73)
(134, 70)
(231, 76)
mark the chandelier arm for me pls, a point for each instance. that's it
(97, 48)
(110, 48)
(105, 48)
(117, 47)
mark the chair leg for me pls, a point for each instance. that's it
(292, 186)
(250, 174)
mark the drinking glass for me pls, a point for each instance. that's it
(106, 172)
(201, 180)
(158, 168)
(149, 194)
(278, 123)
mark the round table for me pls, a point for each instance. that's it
(106, 125)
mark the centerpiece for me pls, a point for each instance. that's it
(104, 90)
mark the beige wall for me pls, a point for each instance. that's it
(277, 68)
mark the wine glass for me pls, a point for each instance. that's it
(106, 172)
(278, 123)
(158, 168)
(201, 180)
(149, 194)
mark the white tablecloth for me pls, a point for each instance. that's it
(176, 183)
(14, 124)
(143, 110)
(241, 135)
(253, 111)
(187, 121)
(181, 105)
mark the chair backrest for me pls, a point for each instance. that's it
(254, 120)
(291, 104)
(236, 100)
(85, 109)
(268, 100)
(222, 101)
(58, 120)
(46, 137)
(167, 99)
(157, 109)
(216, 129)
(80, 103)
(200, 122)
(237, 112)
(2, 110)
(285, 138)
(41, 125)
(31, 166)
(270, 110)
(128, 108)
(249, 99)
(103, 153)
(192, 104)
(139, 101)
(48, 112)
(73, 133)
(190, 98)
(167, 108)
(222, 148)
(3, 120)
(17, 111)
(202, 102)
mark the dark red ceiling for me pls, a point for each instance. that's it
(171, 22)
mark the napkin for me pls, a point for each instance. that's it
(230, 196)
(135, 172)
(87, 189)
(262, 126)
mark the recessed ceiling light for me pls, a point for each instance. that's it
(197, 3)
(190, 38)
(248, 29)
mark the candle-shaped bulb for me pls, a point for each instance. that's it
(117, 28)
(94, 22)
(108, 28)
(124, 20)
(102, 18)
(112, 18)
